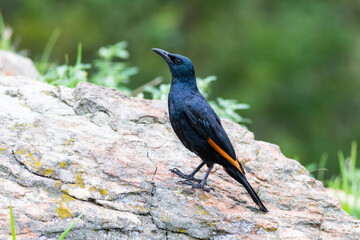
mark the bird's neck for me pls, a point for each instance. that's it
(184, 84)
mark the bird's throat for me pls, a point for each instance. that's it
(182, 84)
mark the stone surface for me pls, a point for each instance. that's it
(95, 151)
(12, 64)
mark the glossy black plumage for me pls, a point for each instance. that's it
(198, 127)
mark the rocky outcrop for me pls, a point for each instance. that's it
(96, 151)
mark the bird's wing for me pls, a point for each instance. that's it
(207, 124)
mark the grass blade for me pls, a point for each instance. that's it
(44, 61)
(12, 222)
(69, 228)
(353, 158)
(2, 24)
(343, 172)
(79, 52)
(322, 165)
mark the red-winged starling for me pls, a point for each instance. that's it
(199, 128)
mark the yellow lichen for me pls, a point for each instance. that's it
(102, 191)
(164, 218)
(25, 105)
(36, 125)
(67, 142)
(3, 148)
(99, 189)
(47, 93)
(67, 198)
(17, 126)
(63, 164)
(272, 229)
(63, 212)
(203, 197)
(79, 181)
(31, 156)
(58, 184)
(48, 172)
(65, 191)
(201, 211)
(140, 208)
(30, 159)
(20, 152)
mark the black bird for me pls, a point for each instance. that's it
(198, 127)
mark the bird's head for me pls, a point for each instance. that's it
(180, 66)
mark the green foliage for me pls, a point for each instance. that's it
(225, 108)
(161, 92)
(108, 71)
(68, 75)
(347, 185)
(204, 85)
(110, 68)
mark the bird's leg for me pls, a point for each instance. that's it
(189, 176)
(202, 184)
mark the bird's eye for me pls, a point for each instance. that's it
(178, 61)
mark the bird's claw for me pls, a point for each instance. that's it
(194, 185)
(182, 175)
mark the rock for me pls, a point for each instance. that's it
(96, 151)
(12, 64)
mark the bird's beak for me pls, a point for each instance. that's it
(164, 54)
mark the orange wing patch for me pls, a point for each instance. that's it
(224, 154)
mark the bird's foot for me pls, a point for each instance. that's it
(182, 175)
(194, 185)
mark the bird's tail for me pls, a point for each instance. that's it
(238, 176)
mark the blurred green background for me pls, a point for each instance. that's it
(297, 63)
